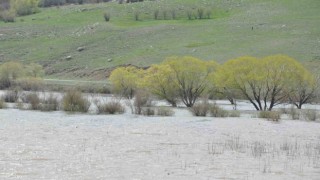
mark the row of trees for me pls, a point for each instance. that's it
(9, 9)
(265, 82)
(48, 3)
(12, 8)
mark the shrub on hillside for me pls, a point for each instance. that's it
(156, 14)
(200, 13)
(7, 16)
(74, 101)
(164, 14)
(208, 14)
(25, 7)
(189, 14)
(106, 16)
(136, 15)
(173, 13)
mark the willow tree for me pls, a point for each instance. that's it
(190, 76)
(9, 72)
(124, 80)
(264, 82)
(158, 80)
(304, 89)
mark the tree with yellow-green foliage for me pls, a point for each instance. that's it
(9, 72)
(304, 89)
(190, 76)
(34, 70)
(159, 81)
(264, 82)
(28, 77)
(124, 80)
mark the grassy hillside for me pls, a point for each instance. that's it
(247, 27)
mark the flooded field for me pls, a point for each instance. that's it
(42, 145)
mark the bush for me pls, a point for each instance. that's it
(141, 100)
(34, 101)
(148, 111)
(20, 105)
(30, 84)
(74, 101)
(270, 115)
(112, 107)
(25, 7)
(106, 16)
(200, 109)
(234, 113)
(208, 13)
(310, 115)
(173, 13)
(200, 13)
(216, 111)
(156, 14)
(2, 104)
(164, 111)
(7, 16)
(11, 96)
(189, 14)
(294, 113)
(136, 15)
(50, 103)
(164, 14)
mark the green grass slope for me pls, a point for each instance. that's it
(236, 28)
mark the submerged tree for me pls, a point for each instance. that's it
(191, 76)
(125, 80)
(304, 89)
(9, 72)
(159, 81)
(264, 82)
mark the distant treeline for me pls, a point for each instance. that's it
(9, 9)
(48, 3)
(5, 4)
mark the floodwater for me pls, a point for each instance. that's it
(56, 145)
